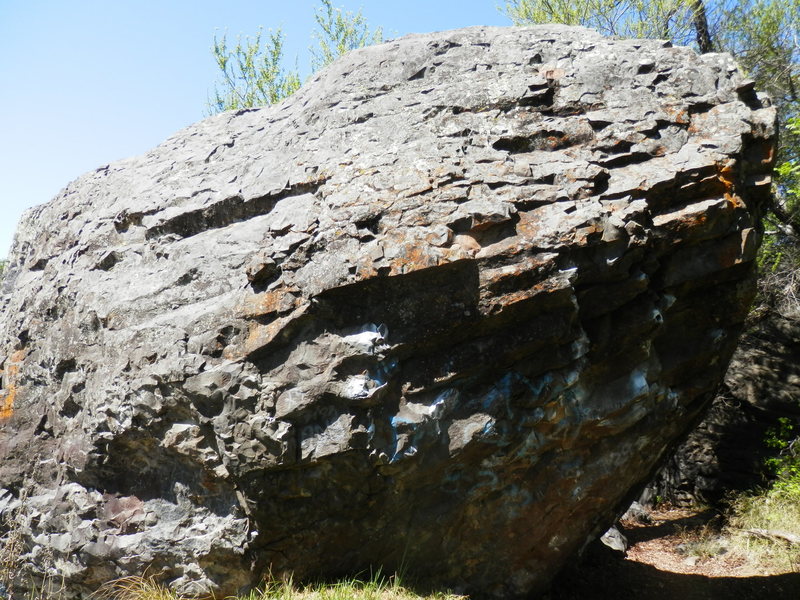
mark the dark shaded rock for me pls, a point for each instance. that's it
(443, 310)
(726, 452)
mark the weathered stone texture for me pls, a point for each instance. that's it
(445, 309)
(727, 451)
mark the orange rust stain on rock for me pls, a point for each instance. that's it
(366, 270)
(762, 153)
(678, 115)
(734, 201)
(727, 176)
(690, 222)
(258, 337)
(414, 258)
(9, 375)
(275, 301)
(493, 303)
(584, 235)
(467, 242)
(528, 225)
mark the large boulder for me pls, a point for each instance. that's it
(445, 309)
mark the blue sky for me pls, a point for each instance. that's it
(87, 82)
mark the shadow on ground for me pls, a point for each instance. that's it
(624, 579)
(604, 573)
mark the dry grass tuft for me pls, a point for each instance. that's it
(10, 553)
(134, 588)
(765, 528)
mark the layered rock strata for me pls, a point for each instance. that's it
(442, 310)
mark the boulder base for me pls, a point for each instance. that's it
(443, 311)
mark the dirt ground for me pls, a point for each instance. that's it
(659, 567)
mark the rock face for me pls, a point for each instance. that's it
(444, 309)
(727, 450)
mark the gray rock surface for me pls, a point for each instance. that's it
(442, 310)
(615, 539)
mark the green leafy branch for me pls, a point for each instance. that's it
(339, 32)
(252, 72)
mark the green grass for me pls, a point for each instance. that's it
(776, 511)
(375, 588)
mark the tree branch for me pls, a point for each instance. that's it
(788, 220)
(701, 27)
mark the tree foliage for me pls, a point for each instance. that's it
(779, 257)
(763, 35)
(668, 19)
(338, 33)
(252, 73)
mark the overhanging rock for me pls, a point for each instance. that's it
(444, 309)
